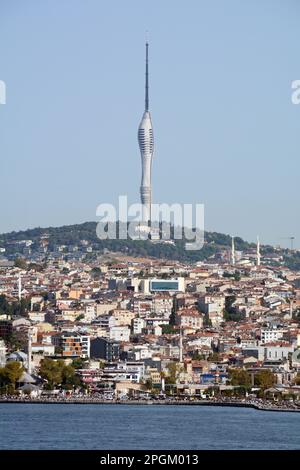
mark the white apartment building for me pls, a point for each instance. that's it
(137, 325)
(162, 306)
(269, 335)
(277, 351)
(119, 333)
(89, 312)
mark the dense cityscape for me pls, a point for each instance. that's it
(149, 261)
(93, 320)
(117, 327)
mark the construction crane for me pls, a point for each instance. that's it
(291, 239)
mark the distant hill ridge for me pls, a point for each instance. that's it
(74, 234)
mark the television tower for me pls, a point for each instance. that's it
(258, 252)
(146, 144)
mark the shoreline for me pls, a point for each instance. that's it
(72, 401)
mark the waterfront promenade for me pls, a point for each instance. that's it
(259, 404)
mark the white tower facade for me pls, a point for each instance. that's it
(146, 143)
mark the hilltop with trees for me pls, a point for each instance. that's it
(70, 235)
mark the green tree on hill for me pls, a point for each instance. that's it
(20, 263)
(174, 369)
(240, 377)
(14, 308)
(57, 373)
(297, 379)
(95, 273)
(264, 379)
(9, 376)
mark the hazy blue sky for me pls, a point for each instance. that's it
(226, 132)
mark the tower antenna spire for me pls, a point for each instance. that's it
(147, 76)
